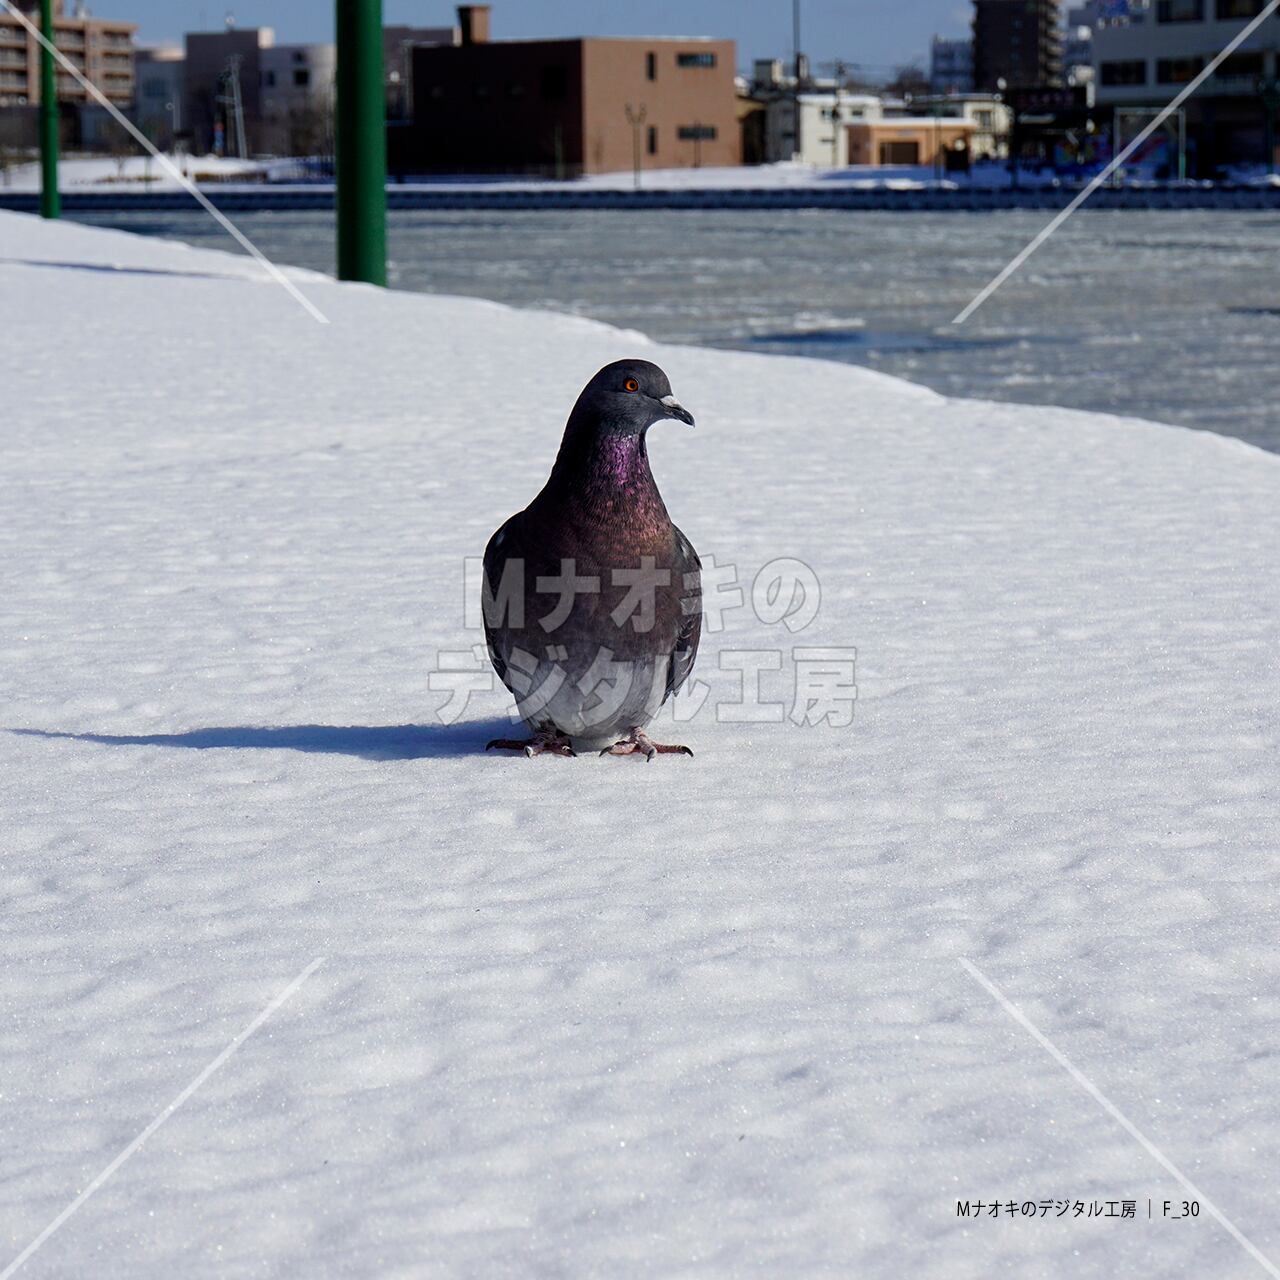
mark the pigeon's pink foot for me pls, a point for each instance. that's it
(545, 742)
(640, 743)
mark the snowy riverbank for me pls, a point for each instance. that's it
(706, 1017)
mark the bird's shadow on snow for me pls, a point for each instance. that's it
(369, 742)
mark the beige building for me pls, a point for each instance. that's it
(907, 140)
(568, 106)
(102, 50)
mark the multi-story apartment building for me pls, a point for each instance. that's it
(1018, 42)
(102, 50)
(950, 66)
(1143, 58)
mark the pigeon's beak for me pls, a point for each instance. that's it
(672, 408)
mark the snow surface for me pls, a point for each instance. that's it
(137, 173)
(595, 1017)
(129, 173)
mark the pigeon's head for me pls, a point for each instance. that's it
(629, 396)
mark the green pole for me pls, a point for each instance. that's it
(50, 201)
(361, 143)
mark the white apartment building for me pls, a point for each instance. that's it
(824, 117)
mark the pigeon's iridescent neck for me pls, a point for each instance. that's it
(606, 475)
(622, 460)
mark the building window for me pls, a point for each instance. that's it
(1225, 10)
(554, 83)
(1131, 71)
(301, 78)
(1178, 70)
(653, 140)
(299, 56)
(696, 132)
(1241, 66)
(695, 59)
(1179, 10)
(269, 79)
(651, 65)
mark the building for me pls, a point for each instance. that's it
(950, 66)
(223, 89)
(1016, 44)
(297, 96)
(398, 44)
(567, 107)
(1143, 57)
(943, 142)
(990, 117)
(1077, 43)
(824, 117)
(102, 50)
(161, 86)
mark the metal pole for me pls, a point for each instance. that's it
(361, 143)
(50, 200)
(795, 43)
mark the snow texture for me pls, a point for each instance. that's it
(598, 1017)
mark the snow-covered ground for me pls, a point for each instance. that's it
(595, 1017)
(131, 172)
(135, 173)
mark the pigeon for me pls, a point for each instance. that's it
(592, 597)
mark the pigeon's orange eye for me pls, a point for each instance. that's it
(631, 385)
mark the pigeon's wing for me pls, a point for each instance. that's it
(689, 570)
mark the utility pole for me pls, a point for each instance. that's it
(50, 200)
(361, 143)
(799, 67)
(232, 100)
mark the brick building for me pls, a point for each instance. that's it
(559, 107)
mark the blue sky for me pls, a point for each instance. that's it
(878, 35)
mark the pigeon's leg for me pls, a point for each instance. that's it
(546, 741)
(640, 742)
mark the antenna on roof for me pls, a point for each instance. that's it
(230, 20)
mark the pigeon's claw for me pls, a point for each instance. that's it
(545, 742)
(639, 743)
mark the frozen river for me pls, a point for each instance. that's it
(1167, 315)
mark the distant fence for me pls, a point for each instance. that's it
(319, 196)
